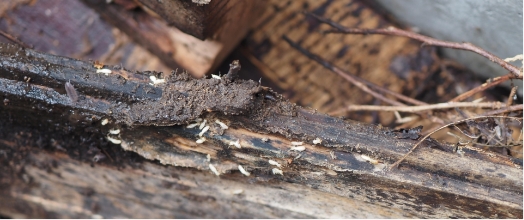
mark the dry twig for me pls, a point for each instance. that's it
(512, 108)
(434, 131)
(360, 83)
(447, 105)
(426, 40)
(14, 39)
(490, 83)
(352, 79)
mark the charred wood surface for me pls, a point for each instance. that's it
(52, 143)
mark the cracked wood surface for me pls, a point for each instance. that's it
(48, 144)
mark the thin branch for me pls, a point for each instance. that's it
(426, 40)
(358, 81)
(445, 126)
(512, 94)
(348, 77)
(14, 39)
(394, 94)
(512, 108)
(447, 105)
(491, 82)
(343, 73)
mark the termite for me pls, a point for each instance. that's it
(203, 131)
(203, 124)
(104, 71)
(243, 171)
(192, 125)
(114, 131)
(222, 125)
(113, 140)
(274, 163)
(214, 170)
(296, 143)
(298, 148)
(156, 81)
(277, 171)
(201, 140)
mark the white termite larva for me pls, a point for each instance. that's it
(156, 81)
(113, 140)
(71, 92)
(297, 143)
(222, 125)
(277, 171)
(215, 76)
(104, 121)
(317, 141)
(208, 158)
(203, 131)
(114, 131)
(238, 191)
(236, 143)
(203, 124)
(192, 125)
(298, 148)
(104, 71)
(243, 171)
(201, 140)
(274, 163)
(214, 169)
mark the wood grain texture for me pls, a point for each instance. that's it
(71, 29)
(220, 26)
(48, 147)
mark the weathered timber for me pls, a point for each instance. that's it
(205, 21)
(343, 176)
(73, 30)
(216, 28)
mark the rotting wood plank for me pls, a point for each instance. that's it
(218, 27)
(347, 166)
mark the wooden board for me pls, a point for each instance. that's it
(220, 26)
(59, 160)
(71, 29)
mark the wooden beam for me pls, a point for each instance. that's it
(347, 167)
(216, 28)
